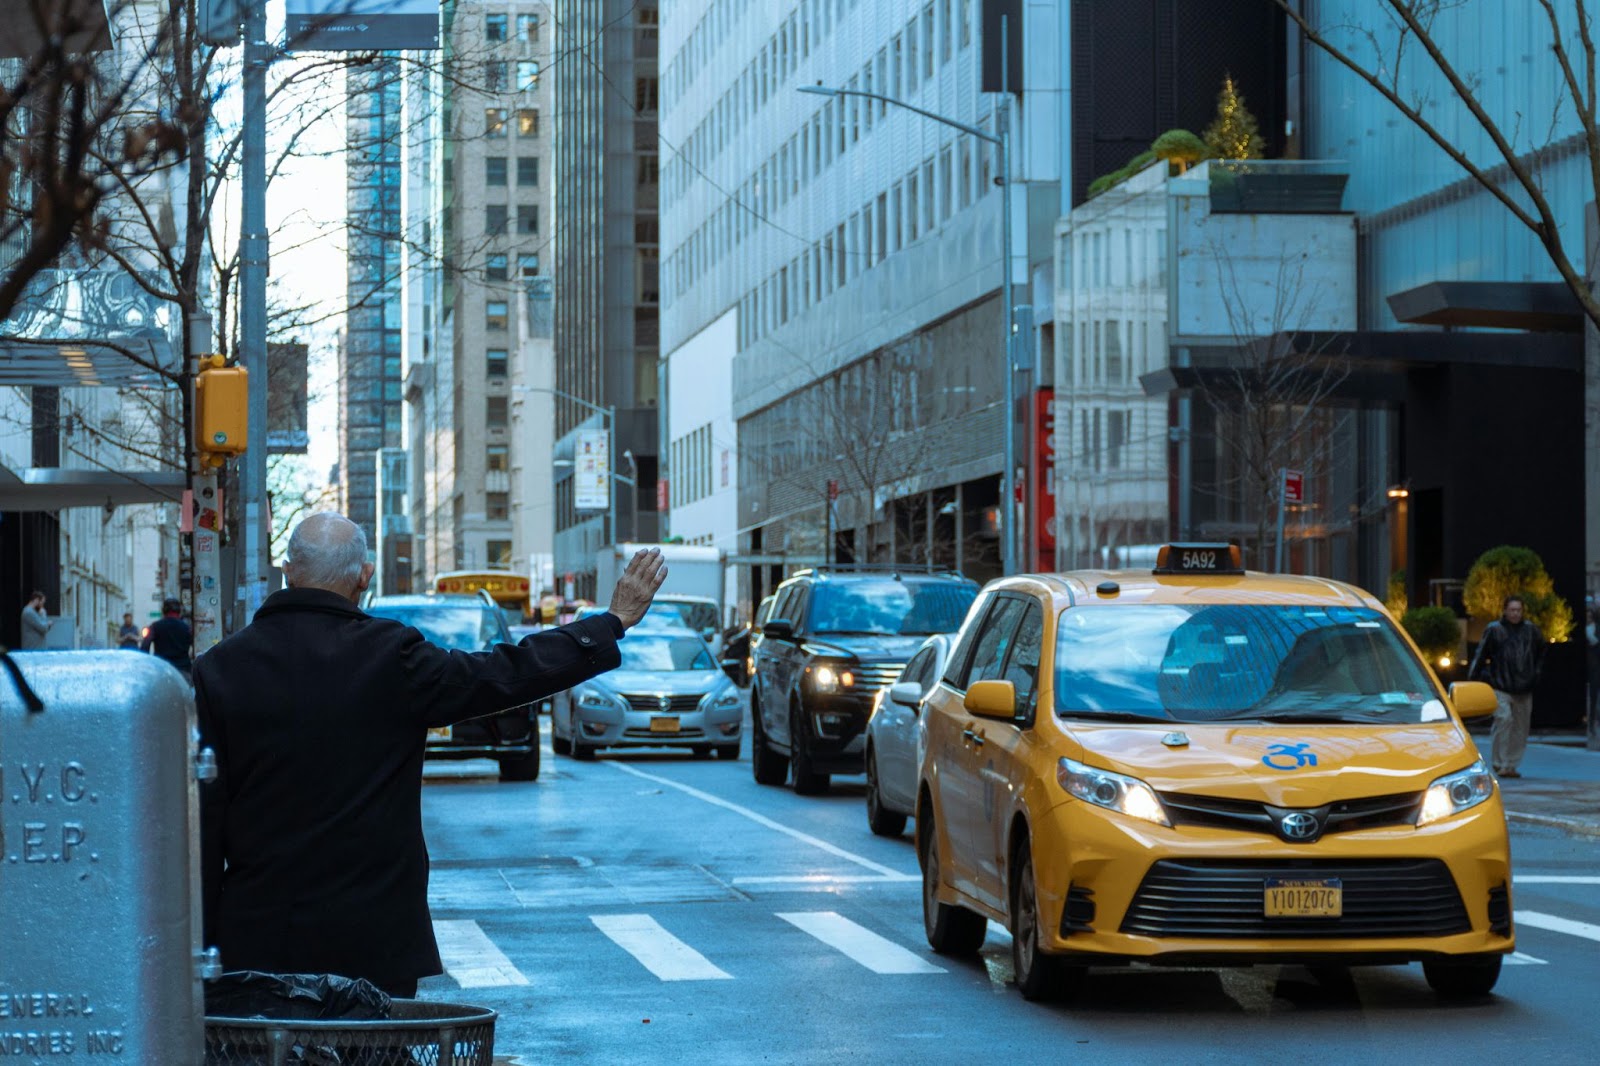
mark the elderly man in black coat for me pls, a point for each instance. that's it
(312, 848)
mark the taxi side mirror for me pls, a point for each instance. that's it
(1473, 699)
(992, 699)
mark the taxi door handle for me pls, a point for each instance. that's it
(976, 738)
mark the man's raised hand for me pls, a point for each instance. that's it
(638, 586)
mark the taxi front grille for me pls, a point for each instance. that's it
(675, 704)
(877, 675)
(1218, 812)
(1221, 899)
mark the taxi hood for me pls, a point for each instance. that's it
(1284, 765)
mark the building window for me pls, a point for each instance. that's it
(494, 219)
(494, 122)
(528, 170)
(497, 505)
(966, 23)
(644, 94)
(527, 75)
(497, 458)
(494, 170)
(527, 218)
(649, 169)
(527, 122)
(528, 28)
(494, 75)
(498, 552)
(495, 314)
(494, 27)
(495, 362)
(494, 412)
(646, 230)
(528, 264)
(495, 267)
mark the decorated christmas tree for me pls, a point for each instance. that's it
(1233, 134)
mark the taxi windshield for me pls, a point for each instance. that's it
(1208, 663)
(664, 654)
(469, 628)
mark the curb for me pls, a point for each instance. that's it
(1570, 825)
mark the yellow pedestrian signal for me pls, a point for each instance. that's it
(221, 410)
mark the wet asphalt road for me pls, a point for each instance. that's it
(654, 908)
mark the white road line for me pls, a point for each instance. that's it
(828, 879)
(861, 944)
(1552, 879)
(471, 958)
(656, 949)
(761, 819)
(1517, 958)
(1555, 924)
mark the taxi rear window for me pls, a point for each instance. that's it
(1187, 663)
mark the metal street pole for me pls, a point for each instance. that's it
(253, 254)
(1008, 505)
(610, 415)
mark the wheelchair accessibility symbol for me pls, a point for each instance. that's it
(1288, 756)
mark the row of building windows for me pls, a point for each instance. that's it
(1110, 438)
(913, 207)
(495, 217)
(902, 66)
(497, 26)
(495, 118)
(692, 467)
(497, 266)
(497, 76)
(1110, 351)
(1121, 257)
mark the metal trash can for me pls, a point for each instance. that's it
(416, 1033)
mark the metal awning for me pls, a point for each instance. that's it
(55, 489)
(1542, 306)
(131, 362)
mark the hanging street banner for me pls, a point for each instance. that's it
(361, 25)
(591, 471)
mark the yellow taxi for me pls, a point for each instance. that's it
(1195, 765)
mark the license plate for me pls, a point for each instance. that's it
(1311, 897)
(441, 733)
(663, 725)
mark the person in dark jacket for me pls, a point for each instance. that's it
(312, 851)
(1510, 658)
(170, 637)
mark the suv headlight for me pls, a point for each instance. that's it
(595, 700)
(831, 677)
(1454, 793)
(1114, 792)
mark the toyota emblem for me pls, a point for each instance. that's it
(1298, 825)
(664, 702)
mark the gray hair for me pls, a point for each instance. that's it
(326, 551)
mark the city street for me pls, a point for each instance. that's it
(650, 907)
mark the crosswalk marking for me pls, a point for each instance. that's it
(861, 944)
(471, 958)
(1517, 958)
(1540, 920)
(656, 949)
(1553, 879)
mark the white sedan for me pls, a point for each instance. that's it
(892, 738)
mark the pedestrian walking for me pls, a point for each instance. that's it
(35, 623)
(170, 637)
(128, 634)
(313, 856)
(1510, 658)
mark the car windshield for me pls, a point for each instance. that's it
(890, 607)
(455, 628)
(1221, 662)
(697, 616)
(658, 654)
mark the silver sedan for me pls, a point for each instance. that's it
(668, 692)
(892, 738)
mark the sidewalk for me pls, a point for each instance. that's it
(1559, 786)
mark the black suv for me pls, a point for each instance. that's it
(470, 623)
(835, 637)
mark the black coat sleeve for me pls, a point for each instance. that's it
(457, 685)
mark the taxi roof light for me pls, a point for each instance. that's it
(1199, 558)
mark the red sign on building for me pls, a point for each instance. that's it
(1294, 486)
(663, 495)
(1044, 481)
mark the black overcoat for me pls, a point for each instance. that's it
(313, 859)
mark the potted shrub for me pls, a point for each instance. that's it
(1436, 631)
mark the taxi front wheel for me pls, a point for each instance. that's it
(1469, 977)
(1039, 976)
(951, 930)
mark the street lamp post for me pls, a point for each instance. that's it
(610, 416)
(1002, 142)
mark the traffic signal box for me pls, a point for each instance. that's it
(221, 410)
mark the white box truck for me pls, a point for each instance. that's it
(694, 583)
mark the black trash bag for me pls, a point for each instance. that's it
(295, 997)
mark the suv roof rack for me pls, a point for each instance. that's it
(878, 568)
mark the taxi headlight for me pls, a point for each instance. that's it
(1454, 793)
(1115, 792)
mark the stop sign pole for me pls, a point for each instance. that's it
(1291, 489)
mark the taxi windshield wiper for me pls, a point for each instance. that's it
(1110, 716)
(1300, 716)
